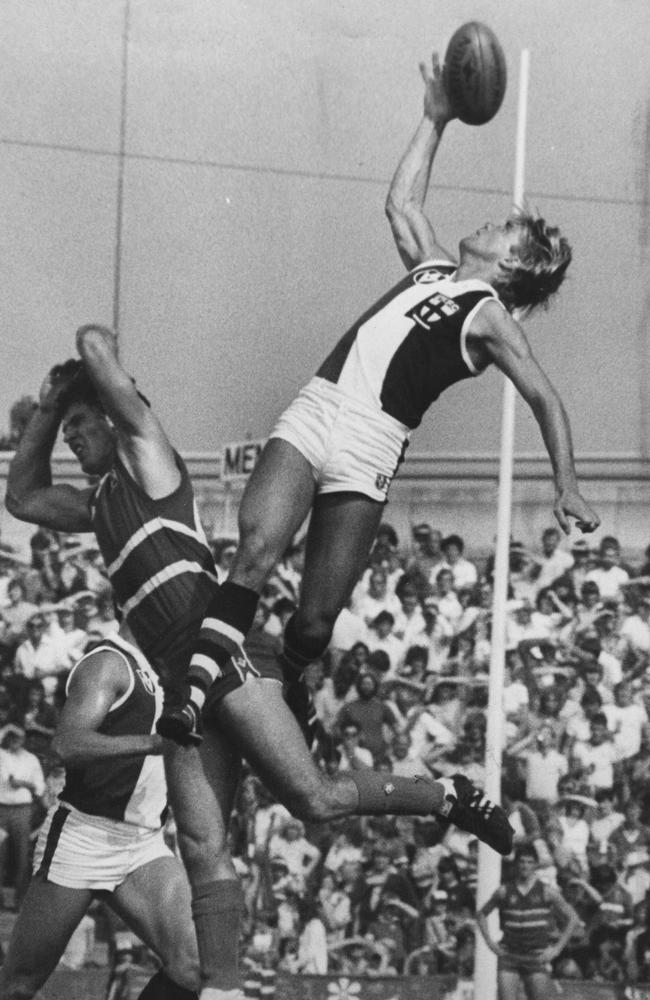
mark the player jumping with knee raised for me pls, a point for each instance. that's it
(337, 447)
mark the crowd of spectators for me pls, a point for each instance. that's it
(403, 689)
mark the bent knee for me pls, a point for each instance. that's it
(182, 968)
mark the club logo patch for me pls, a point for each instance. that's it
(382, 482)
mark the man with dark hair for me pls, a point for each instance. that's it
(143, 513)
(526, 907)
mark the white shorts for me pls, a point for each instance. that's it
(90, 852)
(349, 445)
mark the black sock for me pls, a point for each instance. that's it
(226, 623)
(161, 987)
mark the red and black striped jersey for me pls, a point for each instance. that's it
(129, 789)
(411, 345)
(158, 560)
(525, 918)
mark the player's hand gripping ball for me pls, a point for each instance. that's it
(474, 73)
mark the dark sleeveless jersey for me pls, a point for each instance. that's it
(159, 563)
(411, 345)
(525, 918)
(130, 789)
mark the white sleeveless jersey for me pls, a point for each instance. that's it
(411, 345)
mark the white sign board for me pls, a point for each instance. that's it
(238, 459)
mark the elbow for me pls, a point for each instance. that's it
(63, 748)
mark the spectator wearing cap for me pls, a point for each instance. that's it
(609, 576)
(463, 570)
(21, 785)
(40, 657)
(520, 626)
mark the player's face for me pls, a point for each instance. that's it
(493, 242)
(525, 866)
(88, 435)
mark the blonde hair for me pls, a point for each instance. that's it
(542, 261)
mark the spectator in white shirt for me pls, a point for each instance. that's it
(609, 576)
(409, 621)
(594, 760)
(353, 756)
(21, 785)
(448, 604)
(627, 720)
(464, 572)
(40, 656)
(635, 630)
(299, 854)
(380, 636)
(554, 561)
(368, 601)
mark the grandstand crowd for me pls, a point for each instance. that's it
(402, 689)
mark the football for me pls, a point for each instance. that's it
(474, 73)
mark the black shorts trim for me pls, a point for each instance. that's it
(53, 837)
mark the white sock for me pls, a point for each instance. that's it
(214, 993)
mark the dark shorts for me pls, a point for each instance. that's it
(532, 966)
(252, 663)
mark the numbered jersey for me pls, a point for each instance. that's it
(411, 345)
(129, 789)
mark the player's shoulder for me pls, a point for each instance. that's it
(105, 663)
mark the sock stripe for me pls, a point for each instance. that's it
(217, 627)
(204, 667)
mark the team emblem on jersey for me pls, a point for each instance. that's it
(428, 276)
(382, 482)
(244, 667)
(430, 311)
(147, 681)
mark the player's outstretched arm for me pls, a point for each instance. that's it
(30, 495)
(142, 442)
(412, 230)
(506, 345)
(96, 684)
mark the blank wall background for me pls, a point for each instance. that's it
(212, 175)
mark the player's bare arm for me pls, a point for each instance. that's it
(95, 686)
(31, 495)
(412, 230)
(141, 441)
(568, 917)
(503, 342)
